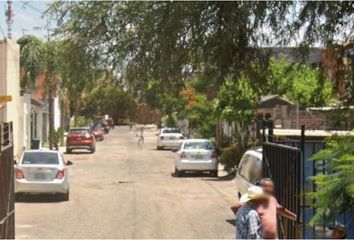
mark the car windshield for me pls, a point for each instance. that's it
(40, 158)
(171, 130)
(79, 131)
(199, 145)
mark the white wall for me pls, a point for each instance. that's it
(57, 113)
(10, 85)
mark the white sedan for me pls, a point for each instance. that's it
(169, 138)
(42, 171)
(196, 155)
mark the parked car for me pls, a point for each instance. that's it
(97, 131)
(42, 171)
(105, 127)
(249, 170)
(196, 155)
(169, 138)
(80, 138)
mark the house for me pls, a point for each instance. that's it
(11, 111)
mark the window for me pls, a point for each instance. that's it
(250, 168)
(40, 158)
(171, 130)
(206, 145)
(79, 131)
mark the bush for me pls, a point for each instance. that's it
(230, 157)
(81, 121)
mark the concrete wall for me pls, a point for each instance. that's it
(10, 85)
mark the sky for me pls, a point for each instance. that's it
(27, 20)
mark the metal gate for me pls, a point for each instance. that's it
(7, 201)
(282, 164)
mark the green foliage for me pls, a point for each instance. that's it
(31, 54)
(111, 100)
(81, 121)
(335, 188)
(170, 120)
(237, 102)
(230, 157)
(57, 137)
(167, 41)
(299, 83)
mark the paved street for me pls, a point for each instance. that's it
(123, 192)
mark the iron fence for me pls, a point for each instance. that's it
(7, 199)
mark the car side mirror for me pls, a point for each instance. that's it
(69, 163)
(175, 150)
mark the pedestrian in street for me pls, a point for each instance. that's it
(269, 210)
(248, 223)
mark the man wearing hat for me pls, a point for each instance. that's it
(339, 231)
(248, 223)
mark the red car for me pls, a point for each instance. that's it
(80, 138)
(98, 131)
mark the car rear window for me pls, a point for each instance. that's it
(172, 130)
(79, 131)
(198, 145)
(40, 158)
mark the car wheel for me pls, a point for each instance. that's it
(68, 150)
(214, 173)
(159, 148)
(93, 150)
(177, 173)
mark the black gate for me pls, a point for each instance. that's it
(282, 164)
(7, 203)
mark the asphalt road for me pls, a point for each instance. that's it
(123, 192)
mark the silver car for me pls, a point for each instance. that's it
(196, 155)
(42, 171)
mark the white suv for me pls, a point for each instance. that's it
(249, 170)
(169, 138)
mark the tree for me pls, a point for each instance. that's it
(169, 41)
(299, 83)
(236, 103)
(335, 188)
(31, 53)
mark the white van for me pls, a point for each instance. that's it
(249, 170)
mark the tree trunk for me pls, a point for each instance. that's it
(50, 117)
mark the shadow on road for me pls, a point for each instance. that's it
(193, 175)
(231, 221)
(78, 153)
(38, 198)
(228, 177)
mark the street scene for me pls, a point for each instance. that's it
(176, 119)
(123, 192)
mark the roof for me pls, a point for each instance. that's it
(73, 128)
(37, 102)
(271, 101)
(41, 150)
(309, 133)
(196, 140)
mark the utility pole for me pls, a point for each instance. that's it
(9, 19)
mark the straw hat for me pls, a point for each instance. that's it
(253, 193)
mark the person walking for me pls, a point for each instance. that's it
(248, 223)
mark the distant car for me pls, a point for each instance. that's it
(249, 170)
(42, 171)
(80, 138)
(196, 155)
(98, 131)
(169, 138)
(105, 127)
